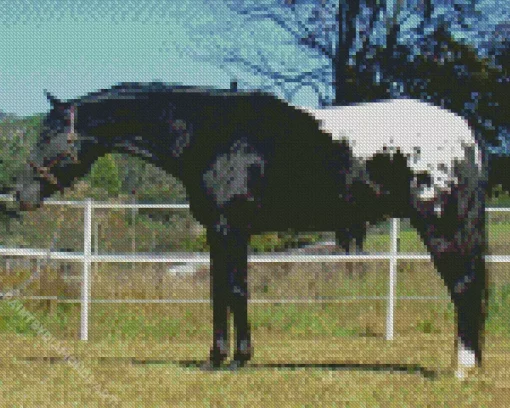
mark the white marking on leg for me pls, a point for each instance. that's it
(243, 346)
(465, 360)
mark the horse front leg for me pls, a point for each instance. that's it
(229, 286)
(219, 283)
(457, 242)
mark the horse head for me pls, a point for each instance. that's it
(52, 158)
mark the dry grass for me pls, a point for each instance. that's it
(344, 372)
(306, 355)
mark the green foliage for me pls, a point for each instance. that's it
(270, 242)
(499, 197)
(426, 326)
(132, 326)
(105, 175)
(14, 322)
(498, 319)
(310, 320)
(198, 244)
(265, 242)
(17, 136)
(151, 183)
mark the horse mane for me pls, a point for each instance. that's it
(135, 90)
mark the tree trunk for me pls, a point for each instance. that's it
(346, 21)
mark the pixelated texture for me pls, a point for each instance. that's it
(261, 173)
(229, 174)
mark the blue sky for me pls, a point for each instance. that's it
(75, 47)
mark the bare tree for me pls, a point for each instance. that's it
(335, 39)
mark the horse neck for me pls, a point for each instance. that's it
(151, 138)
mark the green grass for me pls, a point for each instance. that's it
(300, 320)
(306, 338)
(303, 281)
(163, 322)
(373, 373)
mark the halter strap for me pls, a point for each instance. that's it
(44, 171)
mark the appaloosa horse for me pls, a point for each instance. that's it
(250, 163)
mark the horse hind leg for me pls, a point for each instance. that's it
(238, 304)
(459, 259)
(345, 237)
(469, 295)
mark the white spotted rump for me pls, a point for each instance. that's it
(431, 137)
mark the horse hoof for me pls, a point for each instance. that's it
(210, 365)
(215, 360)
(461, 374)
(464, 373)
(244, 351)
(240, 360)
(236, 364)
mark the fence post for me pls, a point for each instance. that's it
(394, 232)
(96, 243)
(85, 289)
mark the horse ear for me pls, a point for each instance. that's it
(53, 100)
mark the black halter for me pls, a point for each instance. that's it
(44, 171)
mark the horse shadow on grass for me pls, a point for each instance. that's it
(390, 368)
(202, 365)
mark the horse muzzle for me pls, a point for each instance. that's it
(27, 195)
(26, 206)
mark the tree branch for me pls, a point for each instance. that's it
(302, 34)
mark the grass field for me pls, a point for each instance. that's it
(306, 355)
(288, 370)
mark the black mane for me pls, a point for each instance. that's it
(130, 90)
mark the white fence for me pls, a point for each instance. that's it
(87, 258)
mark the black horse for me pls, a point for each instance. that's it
(251, 163)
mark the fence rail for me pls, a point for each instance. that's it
(87, 258)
